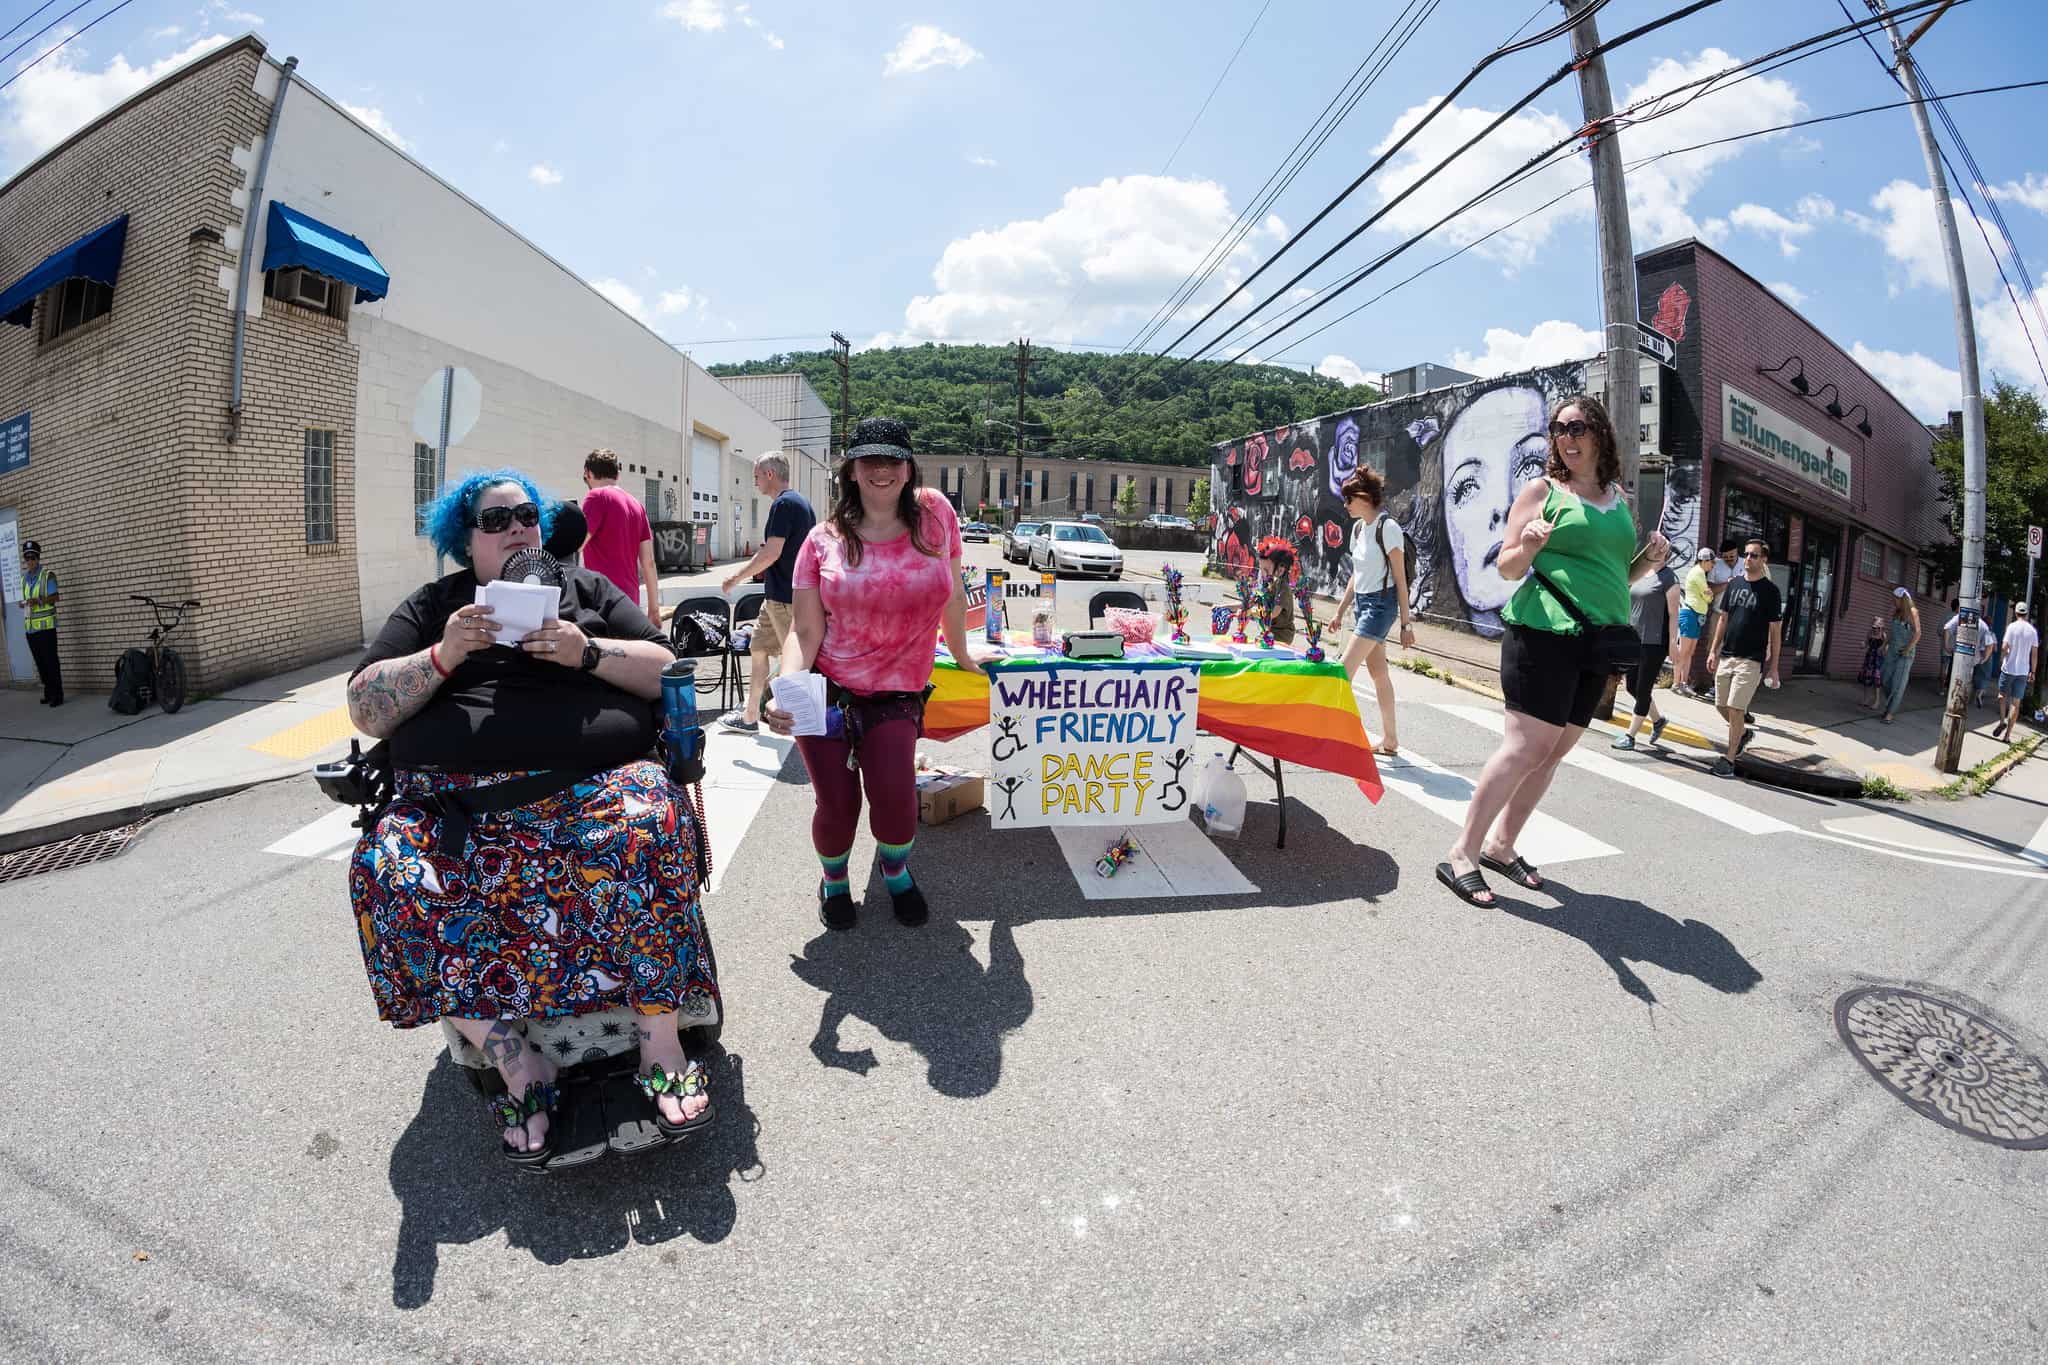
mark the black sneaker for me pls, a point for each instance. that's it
(909, 906)
(739, 725)
(836, 912)
(1723, 768)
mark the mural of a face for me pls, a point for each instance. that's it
(1494, 447)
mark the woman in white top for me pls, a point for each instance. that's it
(1377, 594)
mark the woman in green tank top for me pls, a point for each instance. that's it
(1574, 526)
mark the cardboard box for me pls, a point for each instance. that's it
(943, 793)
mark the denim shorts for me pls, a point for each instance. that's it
(2012, 686)
(1373, 613)
(1689, 623)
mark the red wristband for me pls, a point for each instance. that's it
(434, 658)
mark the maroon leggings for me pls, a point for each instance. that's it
(888, 765)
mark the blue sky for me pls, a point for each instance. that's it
(975, 171)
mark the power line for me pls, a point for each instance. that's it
(30, 15)
(1218, 86)
(1528, 167)
(41, 31)
(65, 40)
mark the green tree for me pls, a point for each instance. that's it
(1198, 500)
(2015, 488)
(1127, 500)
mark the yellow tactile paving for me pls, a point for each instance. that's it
(308, 737)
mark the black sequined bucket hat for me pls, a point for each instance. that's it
(884, 436)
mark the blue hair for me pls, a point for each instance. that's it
(448, 518)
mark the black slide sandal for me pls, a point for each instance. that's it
(1519, 872)
(1467, 888)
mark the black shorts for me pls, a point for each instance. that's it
(1543, 674)
(1643, 681)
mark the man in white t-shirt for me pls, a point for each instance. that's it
(2021, 648)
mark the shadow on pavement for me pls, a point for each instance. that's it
(924, 988)
(1622, 932)
(453, 1189)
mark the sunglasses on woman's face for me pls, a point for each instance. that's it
(497, 520)
(1575, 429)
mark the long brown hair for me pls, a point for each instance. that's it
(1607, 468)
(846, 515)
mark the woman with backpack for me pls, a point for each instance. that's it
(1377, 594)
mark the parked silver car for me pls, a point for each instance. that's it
(1076, 547)
(1017, 541)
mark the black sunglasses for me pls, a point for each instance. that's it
(1574, 428)
(1754, 554)
(493, 520)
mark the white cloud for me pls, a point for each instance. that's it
(1659, 193)
(1925, 386)
(701, 16)
(674, 301)
(1547, 343)
(53, 100)
(1791, 293)
(379, 125)
(773, 39)
(1098, 264)
(1770, 223)
(543, 175)
(168, 31)
(1906, 225)
(978, 159)
(623, 294)
(229, 14)
(924, 47)
(2033, 192)
(1341, 368)
(2002, 343)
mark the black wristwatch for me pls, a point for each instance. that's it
(591, 655)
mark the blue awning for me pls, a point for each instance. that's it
(95, 256)
(297, 240)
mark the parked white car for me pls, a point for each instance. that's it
(1017, 541)
(1167, 520)
(1076, 547)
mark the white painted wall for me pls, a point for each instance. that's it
(805, 422)
(562, 369)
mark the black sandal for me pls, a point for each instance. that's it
(1519, 872)
(1468, 887)
(691, 1080)
(540, 1098)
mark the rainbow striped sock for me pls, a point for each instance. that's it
(895, 865)
(835, 873)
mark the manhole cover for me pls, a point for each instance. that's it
(86, 848)
(1960, 1070)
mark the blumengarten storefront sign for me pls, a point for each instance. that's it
(1751, 427)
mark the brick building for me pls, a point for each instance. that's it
(374, 297)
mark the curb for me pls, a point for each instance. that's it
(71, 827)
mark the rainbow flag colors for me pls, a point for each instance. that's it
(1296, 711)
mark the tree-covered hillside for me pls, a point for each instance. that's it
(960, 399)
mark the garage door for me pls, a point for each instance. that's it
(705, 461)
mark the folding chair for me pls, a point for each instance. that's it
(744, 612)
(1113, 597)
(688, 646)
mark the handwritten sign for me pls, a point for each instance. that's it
(1105, 744)
(14, 444)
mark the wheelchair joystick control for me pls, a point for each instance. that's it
(682, 736)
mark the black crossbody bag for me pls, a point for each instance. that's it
(1616, 649)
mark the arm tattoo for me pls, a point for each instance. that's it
(391, 691)
(501, 1046)
(611, 651)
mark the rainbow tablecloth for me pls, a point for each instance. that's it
(1286, 707)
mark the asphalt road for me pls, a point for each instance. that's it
(1345, 1117)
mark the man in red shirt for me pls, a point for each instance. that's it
(620, 545)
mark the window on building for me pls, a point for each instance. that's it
(1002, 485)
(424, 485)
(319, 488)
(1091, 494)
(1870, 559)
(1073, 493)
(942, 480)
(1897, 562)
(305, 289)
(1923, 579)
(70, 305)
(1167, 506)
(1152, 499)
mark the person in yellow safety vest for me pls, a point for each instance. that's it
(39, 606)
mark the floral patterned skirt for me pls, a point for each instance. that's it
(579, 902)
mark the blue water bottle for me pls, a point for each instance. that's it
(681, 735)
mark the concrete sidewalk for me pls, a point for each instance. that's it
(82, 767)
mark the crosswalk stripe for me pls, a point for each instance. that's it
(1545, 839)
(2036, 850)
(1718, 808)
(332, 836)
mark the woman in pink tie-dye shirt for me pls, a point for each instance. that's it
(874, 584)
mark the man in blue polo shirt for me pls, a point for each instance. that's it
(790, 519)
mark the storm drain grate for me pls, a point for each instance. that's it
(75, 852)
(1952, 1066)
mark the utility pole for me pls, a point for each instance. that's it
(1023, 367)
(1969, 597)
(840, 351)
(1617, 250)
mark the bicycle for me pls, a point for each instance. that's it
(164, 679)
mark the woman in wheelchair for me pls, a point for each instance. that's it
(533, 862)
